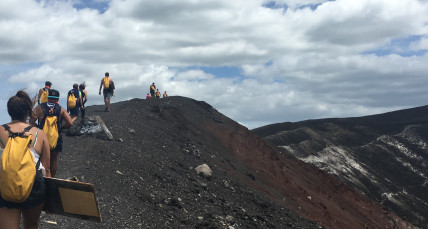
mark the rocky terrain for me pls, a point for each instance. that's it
(146, 176)
(383, 156)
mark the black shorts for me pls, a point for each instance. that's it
(75, 111)
(37, 196)
(58, 147)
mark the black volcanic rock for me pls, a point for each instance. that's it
(146, 177)
(384, 156)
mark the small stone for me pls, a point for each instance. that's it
(229, 218)
(200, 218)
(118, 172)
(204, 170)
(132, 131)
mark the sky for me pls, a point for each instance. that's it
(258, 62)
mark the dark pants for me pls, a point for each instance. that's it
(83, 111)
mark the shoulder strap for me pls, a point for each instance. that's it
(12, 134)
(28, 128)
(57, 110)
(6, 127)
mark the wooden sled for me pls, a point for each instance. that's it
(72, 198)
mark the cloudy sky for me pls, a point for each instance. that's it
(258, 62)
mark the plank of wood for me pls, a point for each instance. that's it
(72, 198)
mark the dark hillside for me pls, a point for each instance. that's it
(146, 178)
(383, 156)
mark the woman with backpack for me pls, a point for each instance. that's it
(19, 137)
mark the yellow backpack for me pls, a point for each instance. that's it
(106, 82)
(44, 96)
(71, 101)
(18, 170)
(50, 126)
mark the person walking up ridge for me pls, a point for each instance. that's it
(108, 91)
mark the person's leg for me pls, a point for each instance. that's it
(105, 100)
(83, 113)
(108, 102)
(54, 163)
(9, 218)
(31, 216)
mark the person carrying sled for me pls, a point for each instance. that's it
(157, 93)
(165, 94)
(42, 96)
(74, 102)
(50, 116)
(152, 90)
(108, 91)
(20, 138)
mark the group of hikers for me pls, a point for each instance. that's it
(155, 93)
(29, 148)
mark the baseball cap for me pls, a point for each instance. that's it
(53, 94)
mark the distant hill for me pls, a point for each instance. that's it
(146, 178)
(384, 156)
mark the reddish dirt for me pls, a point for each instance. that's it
(306, 190)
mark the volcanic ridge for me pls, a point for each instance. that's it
(147, 177)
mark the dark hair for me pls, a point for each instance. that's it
(106, 74)
(75, 86)
(20, 106)
(48, 83)
(82, 86)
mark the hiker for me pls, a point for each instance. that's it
(74, 102)
(157, 93)
(148, 96)
(108, 90)
(165, 94)
(152, 90)
(84, 96)
(19, 108)
(42, 96)
(41, 113)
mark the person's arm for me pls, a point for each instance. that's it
(66, 117)
(101, 85)
(39, 95)
(45, 156)
(68, 95)
(37, 115)
(80, 101)
(85, 96)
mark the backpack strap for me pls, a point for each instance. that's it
(2, 143)
(21, 134)
(7, 128)
(28, 128)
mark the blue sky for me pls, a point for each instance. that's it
(258, 62)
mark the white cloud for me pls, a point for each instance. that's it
(296, 62)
